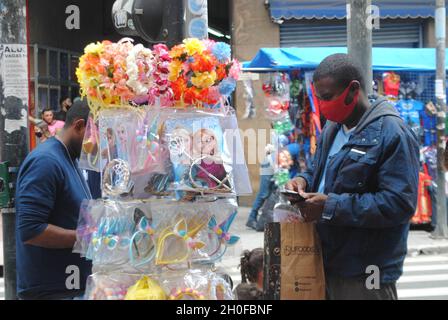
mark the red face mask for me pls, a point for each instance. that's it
(336, 110)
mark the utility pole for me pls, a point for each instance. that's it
(441, 229)
(359, 37)
(13, 122)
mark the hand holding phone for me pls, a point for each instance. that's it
(292, 196)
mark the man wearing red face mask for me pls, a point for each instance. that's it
(362, 189)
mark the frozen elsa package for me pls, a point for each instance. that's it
(205, 153)
(130, 155)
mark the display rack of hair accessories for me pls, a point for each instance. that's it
(166, 142)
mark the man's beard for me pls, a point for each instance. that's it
(74, 148)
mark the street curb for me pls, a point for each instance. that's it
(427, 250)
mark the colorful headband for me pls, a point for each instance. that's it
(108, 233)
(222, 232)
(145, 231)
(222, 229)
(178, 294)
(179, 237)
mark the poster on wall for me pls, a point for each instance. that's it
(14, 78)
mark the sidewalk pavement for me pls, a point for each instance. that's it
(419, 243)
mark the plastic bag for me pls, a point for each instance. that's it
(206, 155)
(89, 158)
(109, 286)
(145, 288)
(196, 284)
(106, 231)
(130, 152)
(277, 95)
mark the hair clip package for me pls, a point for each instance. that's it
(108, 231)
(195, 284)
(203, 149)
(109, 285)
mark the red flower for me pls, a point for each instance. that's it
(203, 63)
(221, 71)
(178, 86)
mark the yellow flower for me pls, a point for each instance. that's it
(93, 48)
(175, 67)
(193, 46)
(204, 79)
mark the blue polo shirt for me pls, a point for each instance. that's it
(50, 189)
(339, 141)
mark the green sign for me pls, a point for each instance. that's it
(5, 195)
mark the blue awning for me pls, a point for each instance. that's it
(383, 59)
(336, 9)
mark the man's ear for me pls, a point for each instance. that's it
(79, 124)
(355, 86)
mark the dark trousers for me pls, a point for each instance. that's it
(355, 289)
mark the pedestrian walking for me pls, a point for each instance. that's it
(267, 185)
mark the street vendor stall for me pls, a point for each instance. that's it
(165, 139)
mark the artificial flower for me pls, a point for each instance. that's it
(193, 46)
(221, 51)
(175, 68)
(203, 79)
(227, 86)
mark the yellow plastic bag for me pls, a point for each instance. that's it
(145, 289)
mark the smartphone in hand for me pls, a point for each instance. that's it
(292, 196)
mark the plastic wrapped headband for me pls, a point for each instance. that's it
(142, 246)
(175, 244)
(117, 178)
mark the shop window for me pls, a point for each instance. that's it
(53, 64)
(43, 99)
(54, 99)
(42, 60)
(63, 67)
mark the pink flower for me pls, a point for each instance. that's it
(235, 70)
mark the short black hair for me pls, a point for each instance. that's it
(79, 110)
(63, 99)
(340, 67)
(46, 110)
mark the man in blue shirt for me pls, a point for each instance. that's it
(362, 188)
(50, 189)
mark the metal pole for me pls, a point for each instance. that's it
(441, 229)
(359, 37)
(14, 94)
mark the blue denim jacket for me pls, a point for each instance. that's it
(372, 194)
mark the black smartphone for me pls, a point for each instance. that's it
(293, 196)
